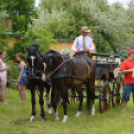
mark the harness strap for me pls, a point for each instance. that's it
(55, 76)
(63, 65)
(60, 66)
(74, 73)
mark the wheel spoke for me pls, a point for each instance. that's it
(118, 91)
(105, 98)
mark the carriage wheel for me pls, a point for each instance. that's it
(117, 95)
(105, 98)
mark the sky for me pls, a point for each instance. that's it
(110, 1)
(124, 2)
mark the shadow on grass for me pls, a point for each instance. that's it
(21, 122)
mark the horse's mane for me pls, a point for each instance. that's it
(33, 45)
(40, 54)
(53, 52)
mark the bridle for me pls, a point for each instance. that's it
(50, 70)
(32, 58)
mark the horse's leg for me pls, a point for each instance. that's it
(41, 101)
(65, 99)
(52, 96)
(93, 107)
(54, 102)
(92, 95)
(79, 112)
(47, 86)
(33, 101)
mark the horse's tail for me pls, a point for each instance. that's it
(88, 96)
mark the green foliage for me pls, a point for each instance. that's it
(13, 74)
(32, 36)
(20, 11)
(3, 43)
(38, 36)
(12, 51)
(15, 118)
(109, 23)
(22, 22)
(62, 28)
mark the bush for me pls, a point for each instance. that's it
(38, 36)
(13, 74)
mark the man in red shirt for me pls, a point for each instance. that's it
(127, 68)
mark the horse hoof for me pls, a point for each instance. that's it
(32, 118)
(50, 111)
(65, 118)
(78, 113)
(93, 112)
(43, 120)
(57, 118)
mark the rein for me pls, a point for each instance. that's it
(60, 66)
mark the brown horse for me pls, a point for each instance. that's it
(70, 73)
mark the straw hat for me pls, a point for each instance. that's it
(85, 29)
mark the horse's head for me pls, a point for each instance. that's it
(33, 58)
(50, 61)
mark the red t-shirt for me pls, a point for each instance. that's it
(127, 65)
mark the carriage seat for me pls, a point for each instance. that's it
(104, 60)
(99, 67)
(66, 54)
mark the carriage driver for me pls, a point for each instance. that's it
(83, 42)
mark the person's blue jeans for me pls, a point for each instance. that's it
(128, 88)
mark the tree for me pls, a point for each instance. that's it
(38, 36)
(32, 36)
(109, 23)
(3, 43)
(20, 11)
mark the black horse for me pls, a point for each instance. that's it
(34, 75)
(69, 73)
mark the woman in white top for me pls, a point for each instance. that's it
(3, 76)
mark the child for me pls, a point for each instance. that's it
(22, 73)
(3, 76)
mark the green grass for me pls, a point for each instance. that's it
(14, 119)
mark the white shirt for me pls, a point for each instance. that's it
(78, 43)
(3, 65)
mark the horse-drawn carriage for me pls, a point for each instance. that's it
(65, 72)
